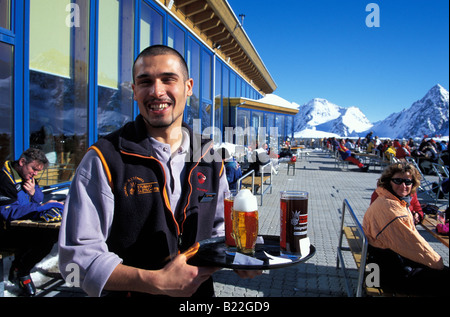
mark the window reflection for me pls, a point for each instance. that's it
(151, 26)
(58, 86)
(6, 102)
(193, 60)
(115, 60)
(175, 38)
(5, 14)
(217, 102)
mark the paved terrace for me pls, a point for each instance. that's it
(328, 186)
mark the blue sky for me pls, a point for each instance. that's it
(323, 49)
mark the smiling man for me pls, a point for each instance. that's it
(136, 202)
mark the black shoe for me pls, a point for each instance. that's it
(25, 282)
(27, 285)
(365, 168)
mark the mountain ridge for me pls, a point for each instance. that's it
(426, 116)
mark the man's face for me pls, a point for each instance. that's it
(161, 90)
(30, 170)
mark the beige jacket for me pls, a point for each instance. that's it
(388, 224)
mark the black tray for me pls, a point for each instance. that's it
(214, 252)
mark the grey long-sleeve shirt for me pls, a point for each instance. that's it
(89, 212)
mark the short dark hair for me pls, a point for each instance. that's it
(156, 50)
(34, 154)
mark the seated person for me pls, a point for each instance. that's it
(350, 145)
(371, 146)
(390, 152)
(232, 169)
(259, 158)
(346, 155)
(406, 260)
(402, 150)
(430, 156)
(21, 198)
(414, 206)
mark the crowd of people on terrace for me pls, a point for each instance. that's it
(425, 153)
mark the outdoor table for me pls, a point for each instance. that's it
(36, 224)
(429, 222)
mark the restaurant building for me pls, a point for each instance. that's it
(66, 73)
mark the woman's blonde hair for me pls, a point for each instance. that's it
(402, 167)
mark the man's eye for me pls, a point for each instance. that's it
(169, 79)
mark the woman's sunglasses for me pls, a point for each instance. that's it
(399, 181)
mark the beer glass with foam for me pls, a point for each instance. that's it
(245, 221)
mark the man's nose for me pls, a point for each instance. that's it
(157, 89)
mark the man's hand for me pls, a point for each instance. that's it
(176, 279)
(28, 186)
(181, 279)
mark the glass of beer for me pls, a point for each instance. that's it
(293, 221)
(245, 221)
(227, 209)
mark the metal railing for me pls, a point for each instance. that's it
(364, 245)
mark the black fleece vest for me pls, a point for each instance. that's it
(145, 233)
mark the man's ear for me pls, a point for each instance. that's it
(22, 161)
(189, 86)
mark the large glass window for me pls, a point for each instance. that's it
(258, 127)
(59, 84)
(233, 85)
(5, 14)
(206, 114)
(193, 61)
(279, 123)
(206, 75)
(115, 62)
(289, 126)
(175, 37)
(244, 132)
(6, 102)
(218, 101)
(226, 95)
(151, 26)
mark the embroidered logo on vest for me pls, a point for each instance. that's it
(201, 177)
(136, 186)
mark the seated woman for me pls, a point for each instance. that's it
(407, 262)
(414, 206)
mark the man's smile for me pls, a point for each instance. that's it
(157, 106)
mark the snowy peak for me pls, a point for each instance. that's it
(320, 114)
(427, 116)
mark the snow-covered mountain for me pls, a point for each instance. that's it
(427, 116)
(326, 116)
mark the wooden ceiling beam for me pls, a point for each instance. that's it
(195, 8)
(202, 17)
(182, 3)
(210, 24)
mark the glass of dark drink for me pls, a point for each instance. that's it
(293, 221)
